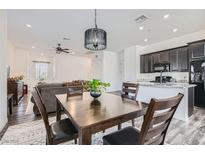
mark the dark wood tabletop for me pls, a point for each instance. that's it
(90, 116)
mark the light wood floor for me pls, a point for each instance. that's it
(180, 132)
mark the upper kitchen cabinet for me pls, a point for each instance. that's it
(174, 60)
(160, 57)
(146, 63)
(197, 50)
(179, 59)
(164, 56)
(142, 64)
(183, 59)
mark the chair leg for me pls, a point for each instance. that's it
(133, 122)
(119, 126)
(76, 141)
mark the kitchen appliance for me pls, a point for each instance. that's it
(164, 79)
(197, 76)
(161, 67)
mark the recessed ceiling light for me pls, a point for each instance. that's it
(175, 30)
(141, 28)
(145, 39)
(166, 16)
(33, 47)
(28, 25)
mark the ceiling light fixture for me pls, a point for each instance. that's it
(28, 25)
(175, 30)
(145, 39)
(95, 38)
(141, 28)
(33, 47)
(166, 16)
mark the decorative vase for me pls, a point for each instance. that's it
(95, 94)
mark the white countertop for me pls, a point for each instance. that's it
(167, 85)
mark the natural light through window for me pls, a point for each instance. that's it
(41, 71)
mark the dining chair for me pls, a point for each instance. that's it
(57, 132)
(75, 90)
(129, 91)
(154, 128)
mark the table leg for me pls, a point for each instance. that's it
(10, 105)
(58, 111)
(85, 137)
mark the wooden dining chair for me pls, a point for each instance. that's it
(75, 90)
(154, 128)
(129, 91)
(56, 132)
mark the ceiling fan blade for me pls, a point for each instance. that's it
(65, 49)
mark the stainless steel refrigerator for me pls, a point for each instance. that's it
(198, 77)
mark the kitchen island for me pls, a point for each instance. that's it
(148, 90)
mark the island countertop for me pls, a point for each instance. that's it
(148, 90)
(166, 85)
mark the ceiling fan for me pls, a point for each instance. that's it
(59, 49)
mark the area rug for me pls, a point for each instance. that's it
(33, 133)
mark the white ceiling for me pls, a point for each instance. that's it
(50, 26)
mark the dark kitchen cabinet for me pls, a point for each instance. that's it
(156, 58)
(146, 63)
(197, 50)
(174, 59)
(142, 64)
(160, 57)
(179, 59)
(183, 59)
(164, 56)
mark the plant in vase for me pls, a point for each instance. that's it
(96, 87)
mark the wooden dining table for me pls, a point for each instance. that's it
(90, 116)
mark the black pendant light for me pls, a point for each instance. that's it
(95, 38)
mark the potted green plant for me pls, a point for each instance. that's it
(96, 87)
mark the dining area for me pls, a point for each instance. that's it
(87, 115)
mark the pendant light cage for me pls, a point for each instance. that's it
(95, 38)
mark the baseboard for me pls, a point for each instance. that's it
(4, 130)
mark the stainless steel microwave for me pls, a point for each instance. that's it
(161, 67)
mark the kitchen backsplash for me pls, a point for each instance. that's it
(179, 76)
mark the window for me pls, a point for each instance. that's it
(41, 70)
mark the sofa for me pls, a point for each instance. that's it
(48, 92)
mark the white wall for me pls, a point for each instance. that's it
(21, 64)
(70, 68)
(3, 58)
(65, 67)
(97, 65)
(106, 67)
(131, 65)
(111, 70)
(11, 58)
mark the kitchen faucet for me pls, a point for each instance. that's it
(161, 77)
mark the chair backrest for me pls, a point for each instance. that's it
(157, 119)
(39, 103)
(75, 90)
(129, 90)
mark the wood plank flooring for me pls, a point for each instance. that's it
(189, 132)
